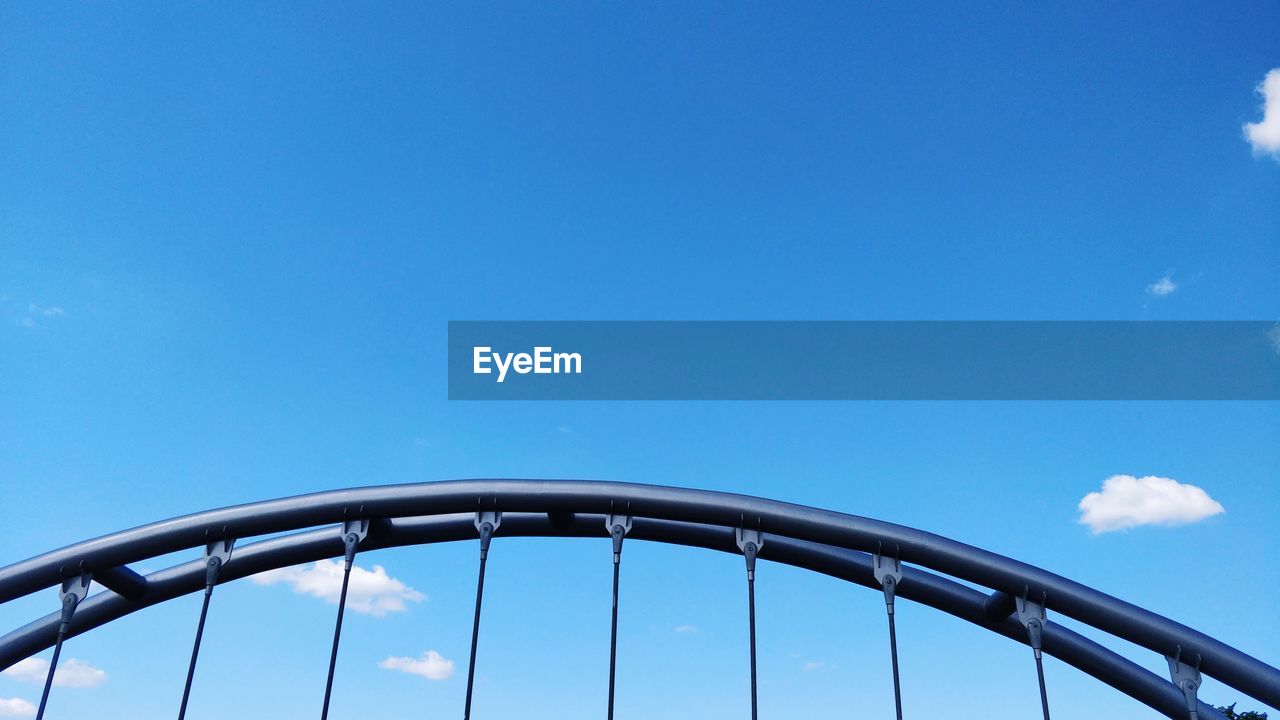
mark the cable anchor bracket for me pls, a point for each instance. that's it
(617, 526)
(888, 572)
(1032, 616)
(216, 554)
(487, 522)
(1187, 679)
(749, 542)
(71, 593)
(353, 533)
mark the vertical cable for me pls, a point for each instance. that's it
(893, 655)
(48, 680)
(618, 532)
(69, 602)
(749, 551)
(1044, 696)
(210, 579)
(486, 534)
(888, 570)
(1034, 634)
(349, 541)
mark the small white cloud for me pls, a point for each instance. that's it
(370, 592)
(70, 673)
(812, 665)
(431, 665)
(35, 311)
(686, 629)
(1162, 287)
(1264, 136)
(16, 707)
(1127, 501)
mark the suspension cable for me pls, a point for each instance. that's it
(1044, 696)
(73, 591)
(750, 542)
(216, 554)
(890, 586)
(618, 525)
(888, 571)
(1032, 616)
(350, 541)
(486, 523)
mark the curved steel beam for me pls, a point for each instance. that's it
(852, 566)
(1107, 613)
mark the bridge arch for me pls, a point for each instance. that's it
(837, 544)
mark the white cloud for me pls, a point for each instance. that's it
(52, 311)
(71, 672)
(1163, 286)
(1127, 501)
(16, 707)
(686, 629)
(35, 311)
(1264, 136)
(371, 592)
(432, 665)
(812, 665)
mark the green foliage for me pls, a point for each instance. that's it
(1231, 714)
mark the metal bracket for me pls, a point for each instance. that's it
(1032, 616)
(1187, 678)
(75, 587)
(493, 517)
(618, 527)
(216, 554)
(888, 572)
(72, 592)
(487, 521)
(749, 542)
(353, 533)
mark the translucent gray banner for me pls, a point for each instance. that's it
(864, 360)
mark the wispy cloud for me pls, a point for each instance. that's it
(70, 673)
(812, 665)
(1264, 135)
(36, 312)
(1126, 501)
(371, 592)
(430, 665)
(51, 311)
(686, 629)
(1162, 287)
(16, 707)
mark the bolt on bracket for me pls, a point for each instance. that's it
(749, 542)
(216, 554)
(888, 572)
(618, 526)
(71, 593)
(353, 533)
(487, 522)
(1187, 679)
(1033, 617)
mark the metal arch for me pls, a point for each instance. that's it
(1114, 616)
(851, 566)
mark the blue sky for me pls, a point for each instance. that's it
(233, 235)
